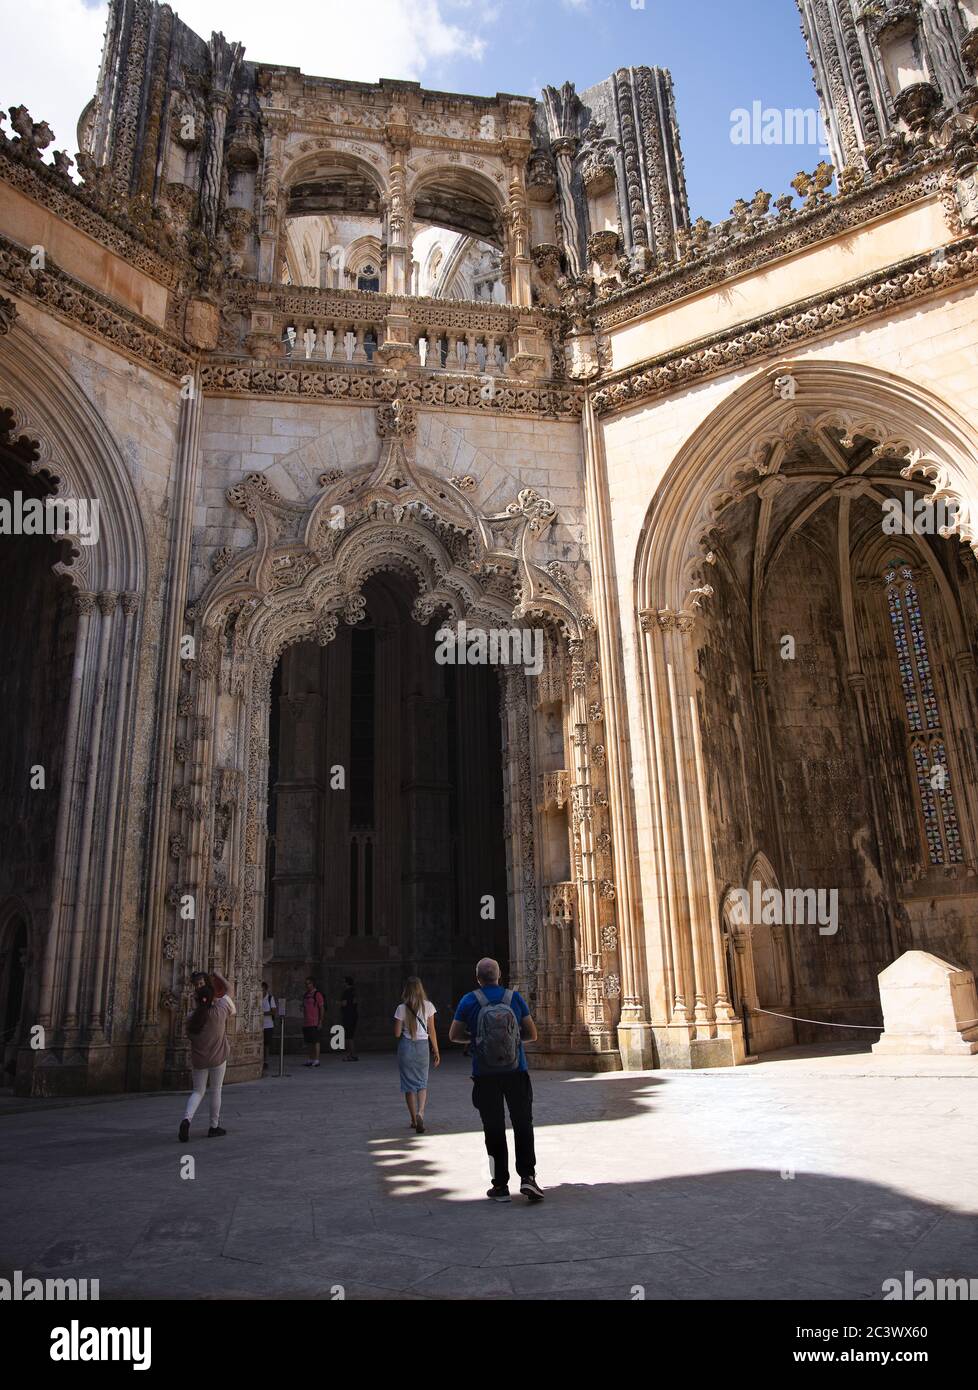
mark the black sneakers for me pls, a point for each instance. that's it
(529, 1187)
(215, 1132)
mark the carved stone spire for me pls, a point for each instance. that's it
(562, 108)
(225, 60)
(847, 45)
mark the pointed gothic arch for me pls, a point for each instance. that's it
(73, 445)
(733, 447)
(302, 578)
(752, 462)
(60, 435)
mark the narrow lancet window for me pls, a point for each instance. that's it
(925, 728)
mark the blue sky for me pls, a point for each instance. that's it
(723, 54)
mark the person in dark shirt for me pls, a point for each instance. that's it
(497, 1020)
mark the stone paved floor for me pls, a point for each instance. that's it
(807, 1177)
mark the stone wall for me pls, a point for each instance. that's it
(296, 443)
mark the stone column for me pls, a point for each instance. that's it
(634, 1036)
(589, 946)
(563, 150)
(225, 59)
(173, 628)
(524, 893)
(399, 221)
(271, 203)
(107, 605)
(116, 813)
(85, 605)
(518, 217)
(702, 1029)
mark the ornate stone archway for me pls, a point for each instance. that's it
(303, 577)
(50, 426)
(736, 452)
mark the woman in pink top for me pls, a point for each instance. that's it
(313, 1008)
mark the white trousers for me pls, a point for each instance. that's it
(214, 1075)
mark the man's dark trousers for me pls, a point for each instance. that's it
(488, 1094)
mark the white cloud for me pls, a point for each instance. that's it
(51, 48)
(49, 61)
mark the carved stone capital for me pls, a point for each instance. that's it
(916, 105)
(666, 620)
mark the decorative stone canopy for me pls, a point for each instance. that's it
(311, 559)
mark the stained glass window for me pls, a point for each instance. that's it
(928, 750)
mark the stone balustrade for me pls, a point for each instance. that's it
(352, 328)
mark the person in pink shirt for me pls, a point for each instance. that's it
(313, 1008)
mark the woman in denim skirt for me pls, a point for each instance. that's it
(414, 1028)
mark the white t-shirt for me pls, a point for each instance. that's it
(421, 1027)
(268, 1003)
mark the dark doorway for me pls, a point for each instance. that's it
(387, 853)
(13, 981)
(38, 627)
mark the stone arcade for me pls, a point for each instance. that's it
(346, 365)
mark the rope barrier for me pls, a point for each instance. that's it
(820, 1023)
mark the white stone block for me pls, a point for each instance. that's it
(929, 1006)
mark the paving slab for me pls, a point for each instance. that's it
(808, 1175)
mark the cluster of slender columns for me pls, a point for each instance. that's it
(91, 819)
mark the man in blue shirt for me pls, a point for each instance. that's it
(497, 1021)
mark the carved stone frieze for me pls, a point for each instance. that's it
(733, 249)
(509, 397)
(879, 293)
(74, 204)
(92, 312)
